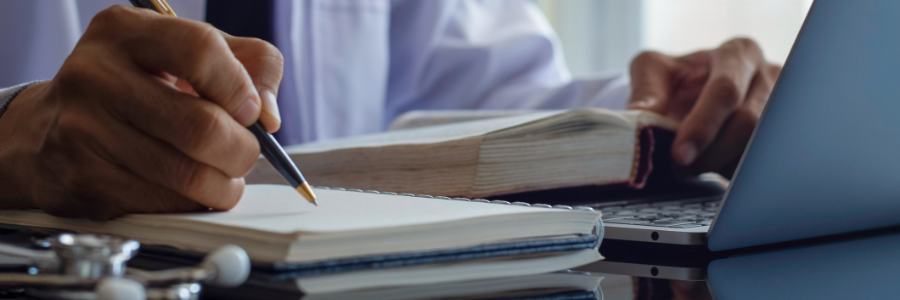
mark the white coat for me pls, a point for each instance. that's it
(352, 66)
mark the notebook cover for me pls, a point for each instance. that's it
(653, 159)
(274, 281)
(161, 257)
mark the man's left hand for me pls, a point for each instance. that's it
(718, 95)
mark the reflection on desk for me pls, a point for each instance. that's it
(552, 286)
(856, 269)
(864, 267)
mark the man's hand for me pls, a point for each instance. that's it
(147, 114)
(718, 95)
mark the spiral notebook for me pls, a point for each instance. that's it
(359, 239)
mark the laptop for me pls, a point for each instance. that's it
(824, 158)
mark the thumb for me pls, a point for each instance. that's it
(651, 81)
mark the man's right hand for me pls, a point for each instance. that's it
(148, 114)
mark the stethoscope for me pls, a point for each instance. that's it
(87, 266)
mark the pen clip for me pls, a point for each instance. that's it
(163, 7)
(160, 6)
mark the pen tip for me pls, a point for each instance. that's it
(307, 193)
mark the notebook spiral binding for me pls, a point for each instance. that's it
(541, 205)
(598, 229)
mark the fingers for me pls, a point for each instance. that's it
(725, 152)
(689, 77)
(201, 130)
(728, 147)
(105, 191)
(193, 51)
(148, 114)
(265, 65)
(733, 67)
(651, 82)
(163, 165)
(82, 182)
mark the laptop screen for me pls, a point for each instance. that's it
(825, 157)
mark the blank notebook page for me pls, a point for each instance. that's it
(279, 208)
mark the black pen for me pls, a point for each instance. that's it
(267, 143)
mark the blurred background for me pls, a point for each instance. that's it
(603, 35)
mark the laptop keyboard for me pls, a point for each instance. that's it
(671, 214)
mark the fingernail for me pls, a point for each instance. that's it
(248, 112)
(644, 103)
(271, 106)
(270, 116)
(686, 153)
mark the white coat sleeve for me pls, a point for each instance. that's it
(496, 54)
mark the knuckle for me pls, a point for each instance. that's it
(108, 22)
(194, 181)
(203, 39)
(108, 16)
(645, 57)
(745, 43)
(200, 130)
(205, 36)
(650, 62)
(726, 90)
(730, 48)
(236, 86)
(184, 170)
(742, 46)
(244, 157)
(231, 200)
(250, 159)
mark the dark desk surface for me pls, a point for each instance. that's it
(856, 268)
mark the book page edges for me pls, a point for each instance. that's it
(647, 127)
(432, 174)
(445, 168)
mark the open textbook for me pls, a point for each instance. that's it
(521, 151)
(355, 240)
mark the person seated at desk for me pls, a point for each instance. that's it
(147, 112)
